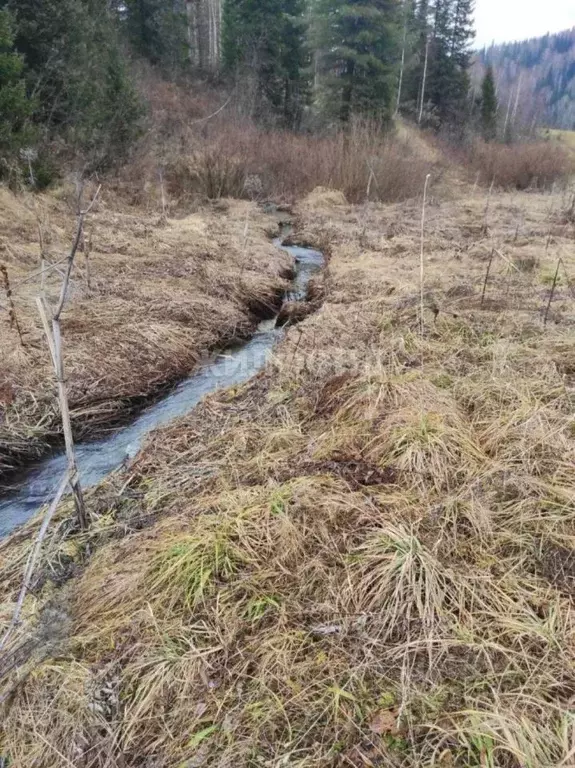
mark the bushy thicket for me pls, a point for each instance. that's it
(63, 84)
(15, 105)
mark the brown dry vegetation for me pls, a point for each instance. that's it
(362, 557)
(164, 292)
(227, 155)
(213, 153)
(245, 161)
(522, 165)
(161, 294)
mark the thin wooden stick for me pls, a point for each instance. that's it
(54, 338)
(87, 254)
(32, 559)
(77, 239)
(487, 276)
(217, 112)
(507, 261)
(164, 217)
(51, 325)
(486, 212)
(42, 257)
(421, 259)
(14, 324)
(35, 274)
(551, 294)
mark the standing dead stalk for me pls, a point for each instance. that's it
(42, 256)
(32, 559)
(164, 216)
(487, 277)
(485, 228)
(551, 294)
(51, 324)
(87, 254)
(14, 324)
(421, 261)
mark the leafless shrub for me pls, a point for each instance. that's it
(361, 163)
(520, 166)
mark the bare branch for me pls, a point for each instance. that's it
(217, 112)
(76, 243)
(38, 272)
(94, 199)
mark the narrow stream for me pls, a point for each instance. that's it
(235, 365)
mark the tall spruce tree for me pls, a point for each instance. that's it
(489, 106)
(439, 67)
(157, 30)
(15, 106)
(408, 48)
(415, 67)
(361, 51)
(266, 41)
(441, 70)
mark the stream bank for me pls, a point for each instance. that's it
(96, 459)
(158, 299)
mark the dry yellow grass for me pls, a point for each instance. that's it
(363, 557)
(565, 137)
(159, 296)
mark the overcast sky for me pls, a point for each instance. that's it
(506, 20)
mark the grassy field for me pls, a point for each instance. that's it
(567, 138)
(363, 557)
(148, 299)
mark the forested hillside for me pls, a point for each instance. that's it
(67, 84)
(75, 74)
(535, 78)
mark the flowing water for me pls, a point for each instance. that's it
(98, 459)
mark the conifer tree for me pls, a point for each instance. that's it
(489, 106)
(419, 33)
(266, 39)
(157, 31)
(407, 48)
(75, 68)
(15, 106)
(444, 32)
(361, 45)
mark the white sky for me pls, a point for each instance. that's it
(507, 20)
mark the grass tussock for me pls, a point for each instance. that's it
(522, 165)
(365, 556)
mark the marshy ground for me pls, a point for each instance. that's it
(365, 556)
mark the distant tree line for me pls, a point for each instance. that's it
(535, 82)
(65, 64)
